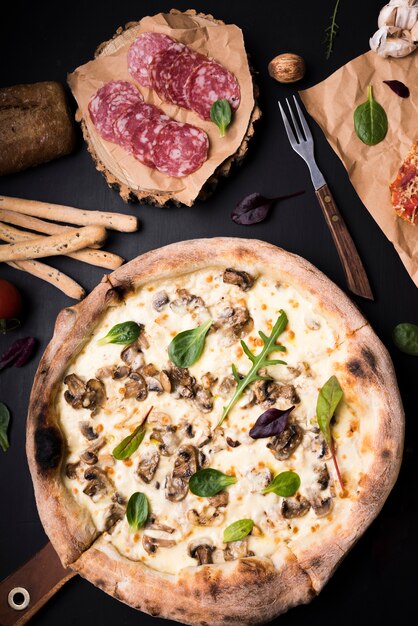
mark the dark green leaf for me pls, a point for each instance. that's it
(4, 424)
(122, 334)
(405, 337)
(238, 530)
(284, 484)
(209, 482)
(131, 443)
(370, 120)
(258, 362)
(137, 510)
(221, 114)
(328, 400)
(187, 347)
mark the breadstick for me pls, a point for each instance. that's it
(100, 258)
(53, 245)
(62, 213)
(32, 223)
(50, 275)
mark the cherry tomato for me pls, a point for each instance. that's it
(10, 300)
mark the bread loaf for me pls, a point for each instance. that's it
(35, 125)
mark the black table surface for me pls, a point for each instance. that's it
(43, 41)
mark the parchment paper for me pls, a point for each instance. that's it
(224, 43)
(372, 168)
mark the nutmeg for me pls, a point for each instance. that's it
(287, 68)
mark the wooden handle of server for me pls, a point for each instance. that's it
(353, 267)
(25, 591)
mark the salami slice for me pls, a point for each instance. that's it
(210, 82)
(142, 53)
(107, 90)
(127, 123)
(180, 72)
(160, 70)
(145, 136)
(180, 150)
(109, 102)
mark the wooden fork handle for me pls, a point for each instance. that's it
(25, 591)
(353, 267)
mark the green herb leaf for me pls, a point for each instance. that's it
(328, 399)
(221, 114)
(131, 443)
(238, 530)
(208, 482)
(137, 510)
(370, 120)
(405, 337)
(4, 424)
(122, 334)
(187, 347)
(258, 362)
(284, 484)
(331, 31)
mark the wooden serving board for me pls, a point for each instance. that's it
(133, 180)
(25, 591)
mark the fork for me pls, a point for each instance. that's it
(303, 145)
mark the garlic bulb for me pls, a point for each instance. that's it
(390, 41)
(398, 29)
(400, 13)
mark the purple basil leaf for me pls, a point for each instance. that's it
(18, 354)
(270, 423)
(399, 88)
(254, 208)
(27, 347)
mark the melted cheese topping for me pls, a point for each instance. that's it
(405, 187)
(314, 350)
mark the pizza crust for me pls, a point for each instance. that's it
(368, 365)
(247, 591)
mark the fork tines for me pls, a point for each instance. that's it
(295, 135)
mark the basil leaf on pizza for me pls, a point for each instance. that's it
(284, 484)
(328, 399)
(122, 334)
(186, 348)
(131, 443)
(4, 424)
(208, 482)
(137, 510)
(258, 362)
(238, 530)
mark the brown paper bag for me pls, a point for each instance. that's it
(372, 168)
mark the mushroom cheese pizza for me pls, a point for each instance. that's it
(211, 430)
